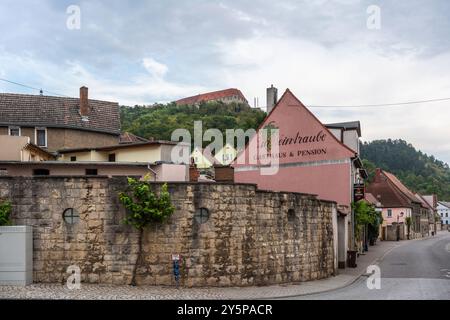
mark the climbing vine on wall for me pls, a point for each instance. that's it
(5, 212)
(144, 207)
(365, 214)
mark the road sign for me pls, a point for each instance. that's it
(175, 257)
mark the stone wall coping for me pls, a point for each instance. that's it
(84, 177)
(56, 177)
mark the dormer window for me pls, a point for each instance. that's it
(41, 137)
(14, 131)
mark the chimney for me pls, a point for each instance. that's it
(272, 97)
(84, 104)
(193, 173)
(223, 174)
(377, 175)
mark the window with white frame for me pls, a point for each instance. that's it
(14, 131)
(389, 213)
(41, 137)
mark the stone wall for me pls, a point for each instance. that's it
(391, 232)
(252, 237)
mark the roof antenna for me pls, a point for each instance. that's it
(41, 92)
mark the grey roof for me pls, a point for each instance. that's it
(59, 112)
(356, 125)
(444, 203)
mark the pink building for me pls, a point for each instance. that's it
(313, 159)
(398, 203)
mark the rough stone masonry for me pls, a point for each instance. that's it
(251, 237)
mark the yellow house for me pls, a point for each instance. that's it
(19, 157)
(226, 155)
(202, 158)
(150, 152)
(19, 148)
(155, 155)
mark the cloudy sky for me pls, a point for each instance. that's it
(140, 52)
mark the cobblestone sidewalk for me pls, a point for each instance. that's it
(107, 292)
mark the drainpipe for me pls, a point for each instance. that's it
(153, 171)
(352, 181)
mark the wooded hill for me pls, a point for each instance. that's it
(159, 121)
(418, 171)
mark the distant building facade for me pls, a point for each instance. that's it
(149, 152)
(225, 96)
(430, 214)
(443, 209)
(397, 204)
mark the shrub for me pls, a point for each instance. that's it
(5, 212)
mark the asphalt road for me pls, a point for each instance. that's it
(417, 270)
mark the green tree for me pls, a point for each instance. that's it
(370, 168)
(144, 207)
(5, 212)
(159, 121)
(366, 215)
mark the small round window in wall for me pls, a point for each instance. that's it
(71, 216)
(201, 215)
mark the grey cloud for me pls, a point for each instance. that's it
(194, 39)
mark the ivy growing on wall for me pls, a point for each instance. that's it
(5, 212)
(366, 215)
(144, 207)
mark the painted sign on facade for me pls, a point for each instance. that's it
(310, 158)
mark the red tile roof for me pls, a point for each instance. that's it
(58, 112)
(370, 198)
(128, 137)
(215, 95)
(402, 187)
(388, 190)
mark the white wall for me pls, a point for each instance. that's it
(444, 214)
(351, 140)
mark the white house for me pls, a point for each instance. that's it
(443, 209)
(202, 158)
(226, 155)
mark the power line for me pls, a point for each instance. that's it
(33, 88)
(311, 106)
(383, 104)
